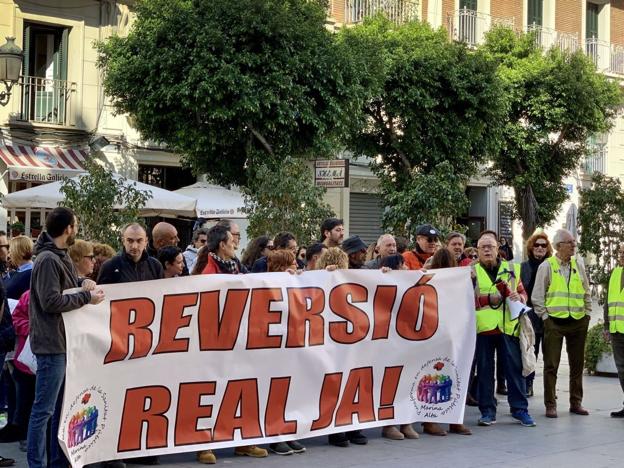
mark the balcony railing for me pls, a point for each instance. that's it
(470, 26)
(398, 11)
(596, 161)
(547, 38)
(607, 57)
(46, 100)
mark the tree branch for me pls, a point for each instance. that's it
(261, 139)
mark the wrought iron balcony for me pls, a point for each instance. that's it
(547, 38)
(596, 161)
(470, 26)
(606, 56)
(46, 100)
(398, 11)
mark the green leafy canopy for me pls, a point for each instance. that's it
(94, 196)
(233, 84)
(554, 100)
(433, 116)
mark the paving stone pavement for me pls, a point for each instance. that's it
(594, 441)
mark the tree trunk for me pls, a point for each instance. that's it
(527, 209)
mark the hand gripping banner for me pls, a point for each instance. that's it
(212, 361)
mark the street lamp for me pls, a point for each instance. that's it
(11, 58)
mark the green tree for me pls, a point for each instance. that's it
(555, 101)
(284, 198)
(601, 225)
(232, 84)
(433, 116)
(103, 203)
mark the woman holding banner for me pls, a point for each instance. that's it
(217, 257)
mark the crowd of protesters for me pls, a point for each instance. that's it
(551, 281)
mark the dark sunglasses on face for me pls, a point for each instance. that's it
(543, 246)
(474, 257)
(432, 239)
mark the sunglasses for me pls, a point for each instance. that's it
(543, 246)
(474, 257)
(432, 239)
(6, 246)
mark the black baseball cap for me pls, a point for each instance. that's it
(353, 244)
(427, 230)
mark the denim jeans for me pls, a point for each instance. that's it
(508, 352)
(47, 408)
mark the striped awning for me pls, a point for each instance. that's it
(42, 164)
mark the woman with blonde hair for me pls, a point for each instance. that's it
(81, 254)
(333, 257)
(21, 252)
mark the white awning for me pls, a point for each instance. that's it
(214, 201)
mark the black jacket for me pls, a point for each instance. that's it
(53, 272)
(528, 273)
(122, 269)
(7, 332)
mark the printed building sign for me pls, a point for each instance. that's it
(505, 220)
(213, 361)
(331, 173)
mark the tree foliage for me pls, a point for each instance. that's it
(601, 225)
(284, 198)
(555, 101)
(433, 115)
(232, 84)
(103, 203)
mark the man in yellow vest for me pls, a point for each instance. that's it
(614, 320)
(562, 299)
(495, 281)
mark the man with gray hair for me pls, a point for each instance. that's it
(455, 243)
(386, 245)
(561, 298)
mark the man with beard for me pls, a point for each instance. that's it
(332, 232)
(427, 238)
(498, 280)
(53, 272)
(355, 248)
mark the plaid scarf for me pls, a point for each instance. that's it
(226, 266)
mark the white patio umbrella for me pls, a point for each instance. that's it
(214, 201)
(162, 202)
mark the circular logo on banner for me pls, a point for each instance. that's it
(46, 158)
(436, 389)
(85, 419)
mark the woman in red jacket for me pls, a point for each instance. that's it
(217, 257)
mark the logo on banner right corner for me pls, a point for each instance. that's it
(436, 389)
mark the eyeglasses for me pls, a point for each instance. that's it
(474, 257)
(6, 246)
(571, 242)
(202, 241)
(488, 247)
(235, 234)
(540, 245)
(92, 257)
(432, 239)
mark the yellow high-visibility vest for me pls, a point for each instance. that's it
(488, 318)
(615, 302)
(565, 299)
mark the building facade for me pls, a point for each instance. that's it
(58, 111)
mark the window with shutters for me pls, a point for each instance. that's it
(468, 5)
(46, 91)
(591, 20)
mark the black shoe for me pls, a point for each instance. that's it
(501, 390)
(618, 414)
(6, 461)
(339, 440)
(281, 448)
(149, 460)
(296, 446)
(357, 438)
(12, 433)
(471, 401)
(113, 464)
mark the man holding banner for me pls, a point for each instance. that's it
(53, 272)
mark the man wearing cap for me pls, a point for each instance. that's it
(426, 242)
(355, 248)
(455, 243)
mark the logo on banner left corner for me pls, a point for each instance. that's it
(436, 389)
(85, 419)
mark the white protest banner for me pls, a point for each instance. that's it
(216, 361)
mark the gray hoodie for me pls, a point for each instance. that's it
(53, 272)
